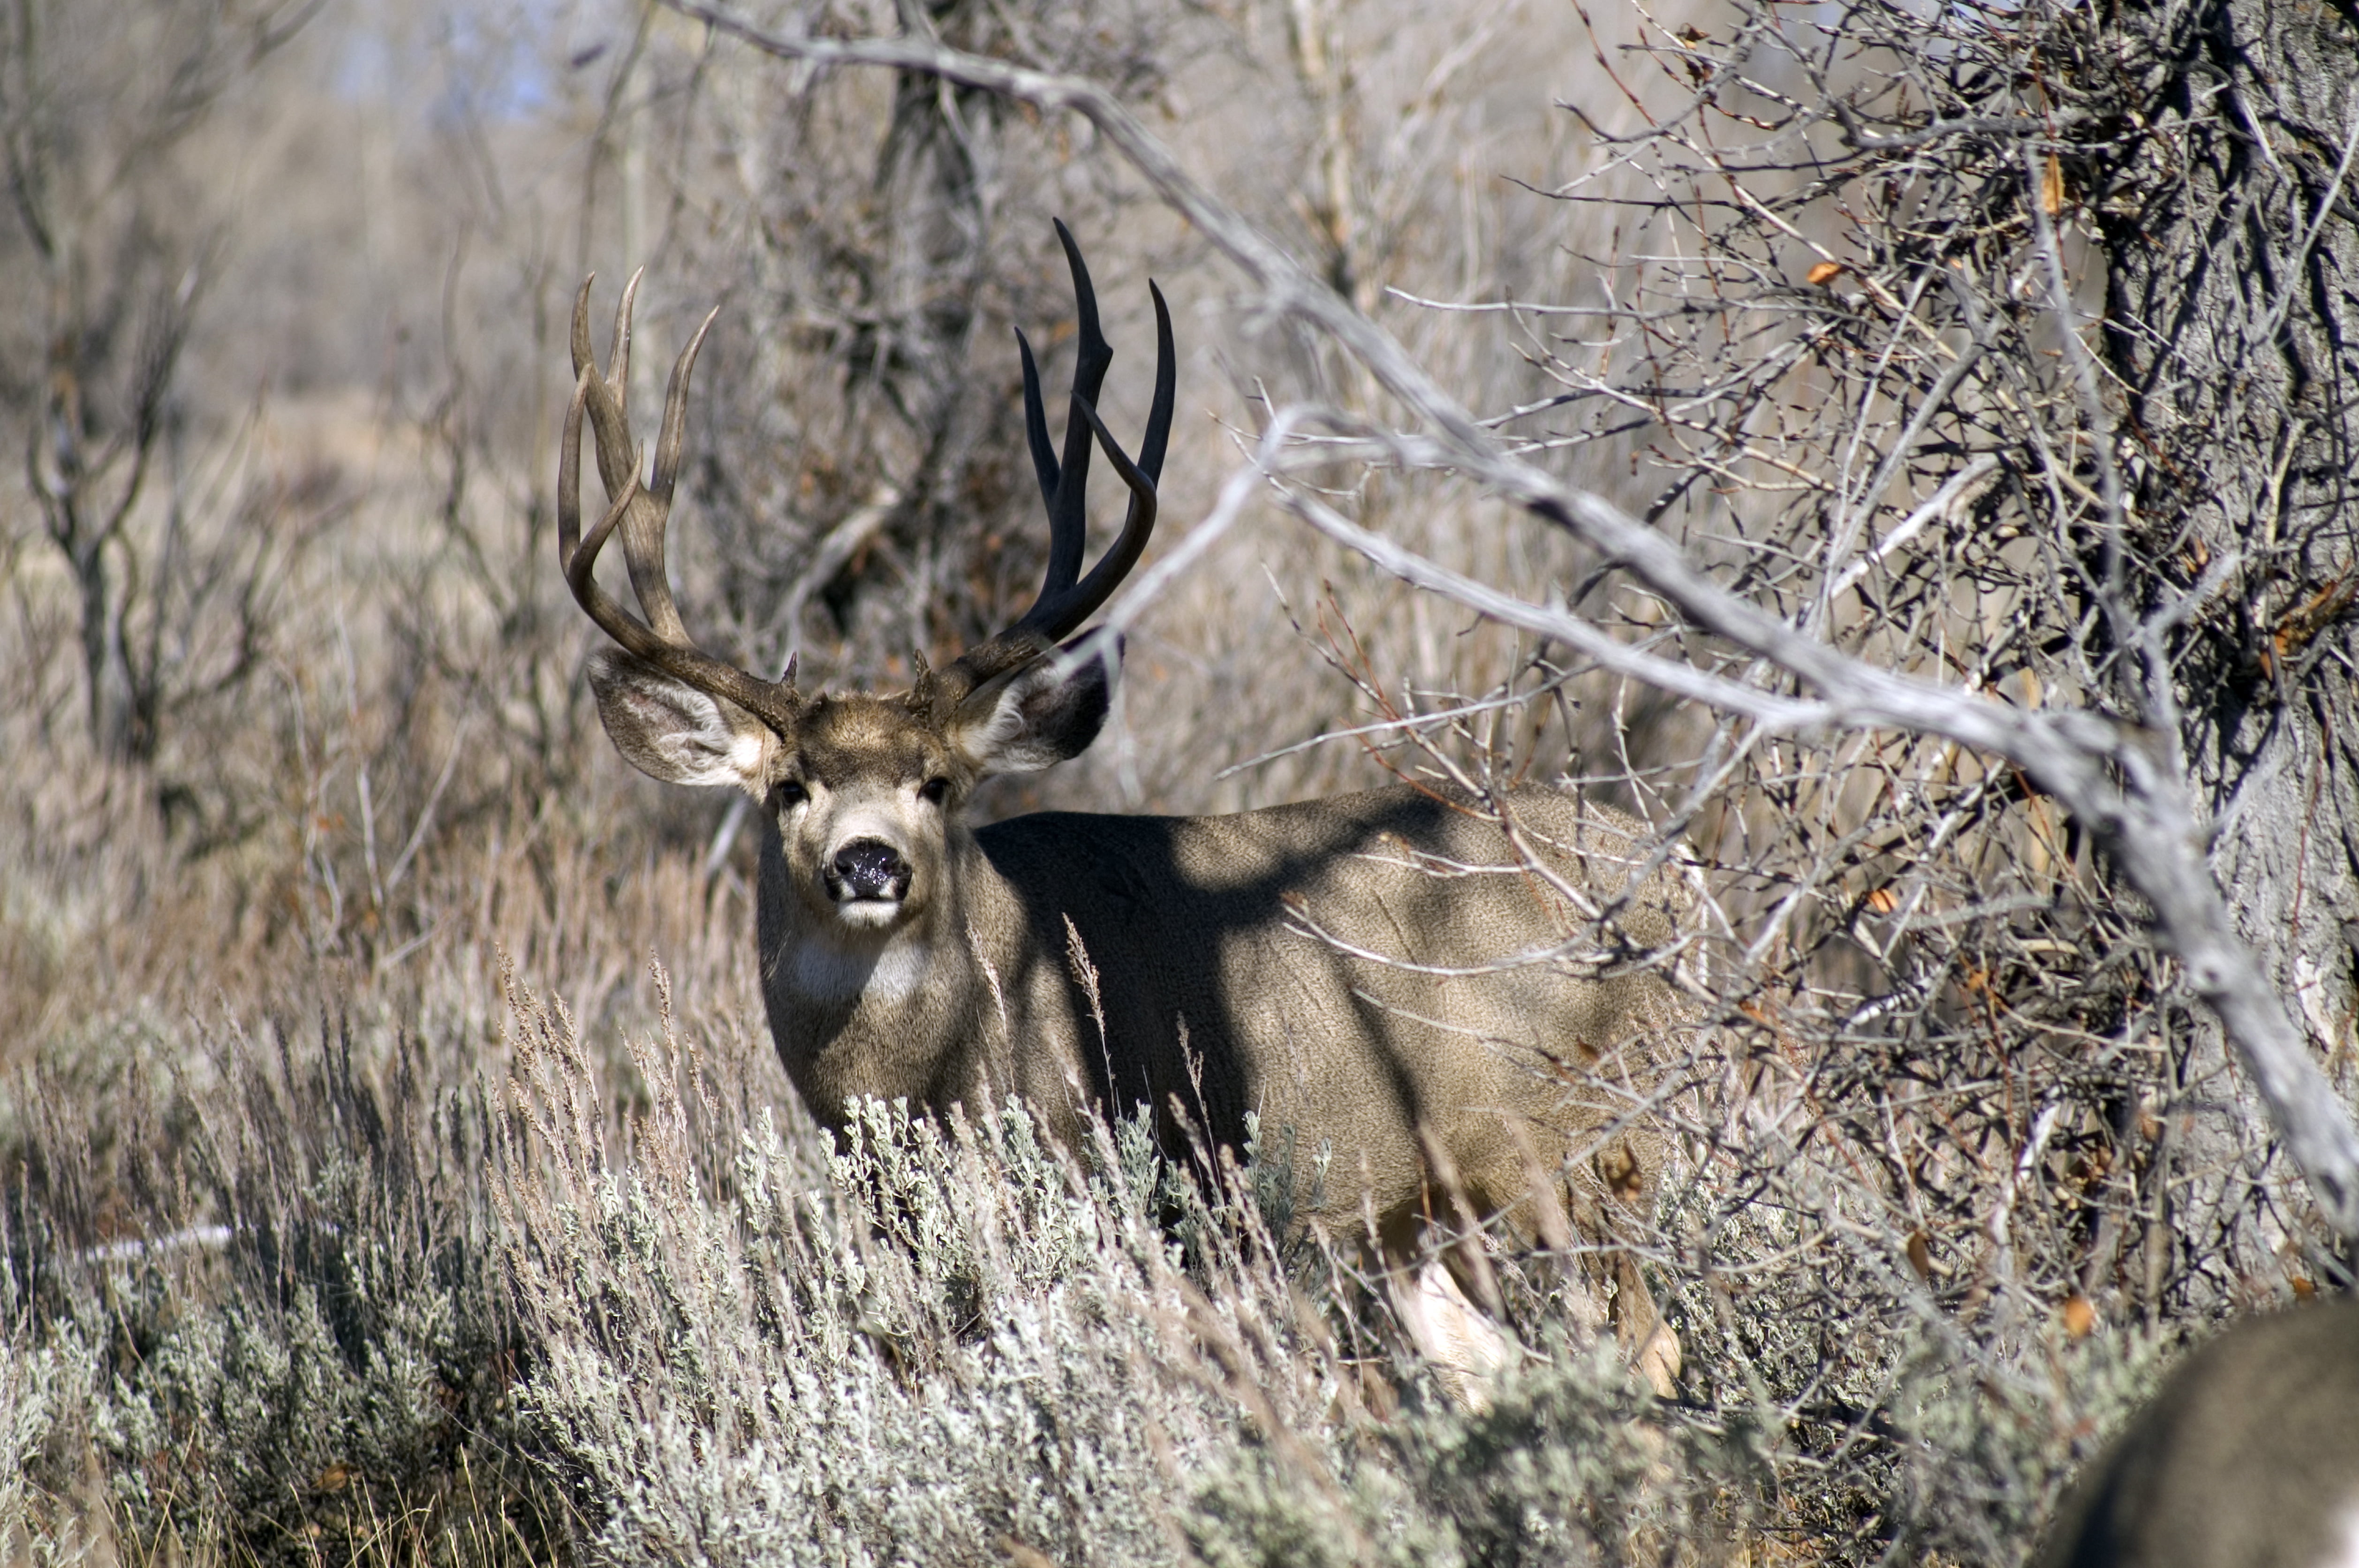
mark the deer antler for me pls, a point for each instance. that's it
(1063, 602)
(640, 512)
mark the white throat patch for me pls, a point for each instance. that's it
(822, 970)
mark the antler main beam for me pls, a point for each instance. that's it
(1066, 598)
(640, 512)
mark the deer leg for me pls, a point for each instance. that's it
(1604, 1285)
(1466, 1349)
(1648, 1342)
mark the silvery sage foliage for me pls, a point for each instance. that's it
(916, 1344)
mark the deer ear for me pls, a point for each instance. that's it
(670, 730)
(1046, 712)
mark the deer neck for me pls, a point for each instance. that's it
(899, 1013)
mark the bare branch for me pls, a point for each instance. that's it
(2113, 776)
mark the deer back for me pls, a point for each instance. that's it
(1376, 977)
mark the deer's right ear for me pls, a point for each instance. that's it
(673, 731)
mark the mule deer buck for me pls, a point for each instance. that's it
(2248, 1457)
(1407, 986)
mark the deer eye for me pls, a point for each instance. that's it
(792, 793)
(935, 790)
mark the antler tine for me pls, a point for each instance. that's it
(584, 355)
(618, 356)
(1094, 589)
(569, 473)
(1065, 487)
(1115, 565)
(641, 512)
(1035, 424)
(617, 455)
(1151, 446)
(644, 508)
(643, 530)
(578, 556)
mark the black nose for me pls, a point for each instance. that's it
(868, 868)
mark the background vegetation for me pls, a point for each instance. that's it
(392, 1161)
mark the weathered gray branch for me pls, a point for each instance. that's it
(2113, 776)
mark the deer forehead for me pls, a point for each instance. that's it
(856, 739)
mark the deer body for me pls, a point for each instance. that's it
(2248, 1457)
(1217, 1000)
(1430, 1003)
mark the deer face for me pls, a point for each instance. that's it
(864, 792)
(863, 801)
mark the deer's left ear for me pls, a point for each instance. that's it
(1048, 712)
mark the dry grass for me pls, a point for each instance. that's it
(369, 1195)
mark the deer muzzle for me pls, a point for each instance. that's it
(866, 871)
